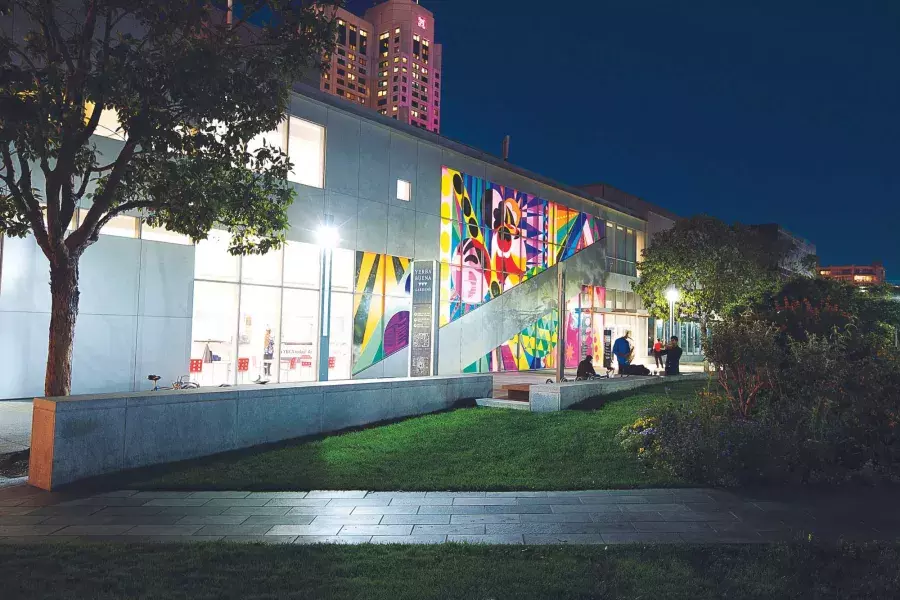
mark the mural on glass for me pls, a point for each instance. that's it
(381, 301)
(494, 237)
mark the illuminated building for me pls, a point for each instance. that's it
(388, 60)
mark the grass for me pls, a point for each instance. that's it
(222, 570)
(465, 449)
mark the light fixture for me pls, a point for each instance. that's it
(327, 236)
(673, 295)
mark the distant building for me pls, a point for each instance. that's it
(856, 274)
(388, 60)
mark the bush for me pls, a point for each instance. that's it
(823, 406)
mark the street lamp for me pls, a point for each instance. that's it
(327, 238)
(673, 296)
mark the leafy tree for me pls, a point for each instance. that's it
(716, 267)
(191, 86)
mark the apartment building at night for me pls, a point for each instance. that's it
(856, 274)
(388, 60)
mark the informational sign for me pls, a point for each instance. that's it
(422, 321)
(607, 348)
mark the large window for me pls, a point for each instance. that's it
(256, 318)
(306, 150)
(621, 249)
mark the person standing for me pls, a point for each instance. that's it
(624, 351)
(657, 349)
(673, 356)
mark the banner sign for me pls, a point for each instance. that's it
(422, 328)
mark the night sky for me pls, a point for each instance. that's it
(753, 111)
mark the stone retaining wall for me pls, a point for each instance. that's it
(551, 397)
(78, 437)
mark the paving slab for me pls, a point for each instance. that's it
(376, 530)
(415, 520)
(337, 494)
(305, 530)
(347, 519)
(227, 530)
(448, 530)
(171, 530)
(219, 495)
(553, 528)
(212, 520)
(357, 516)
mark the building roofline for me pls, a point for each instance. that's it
(429, 136)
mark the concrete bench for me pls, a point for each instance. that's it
(517, 391)
(77, 437)
(551, 397)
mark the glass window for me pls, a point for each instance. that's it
(404, 190)
(621, 242)
(119, 226)
(258, 333)
(610, 240)
(300, 335)
(630, 248)
(213, 327)
(212, 260)
(340, 350)
(343, 265)
(301, 265)
(262, 268)
(306, 150)
(620, 299)
(161, 234)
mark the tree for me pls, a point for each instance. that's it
(191, 85)
(716, 267)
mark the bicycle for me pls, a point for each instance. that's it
(182, 383)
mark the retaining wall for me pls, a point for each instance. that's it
(78, 437)
(551, 397)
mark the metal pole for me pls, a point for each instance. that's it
(671, 318)
(561, 323)
(324, 312)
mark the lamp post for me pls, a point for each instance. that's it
(672, 295)
(327, 238)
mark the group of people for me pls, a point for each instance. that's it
(623, 349)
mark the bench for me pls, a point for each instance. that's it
(517, 391)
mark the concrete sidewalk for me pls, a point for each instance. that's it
(577, 517)
(15, 425)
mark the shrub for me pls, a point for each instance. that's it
(822, 407)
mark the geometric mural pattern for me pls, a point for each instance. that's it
(494, 237)
(381, 303)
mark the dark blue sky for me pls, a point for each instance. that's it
(755, 111)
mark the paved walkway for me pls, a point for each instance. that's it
(591, 517)
(15, 425)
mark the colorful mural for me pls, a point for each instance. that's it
(381, 302)
(494, 237)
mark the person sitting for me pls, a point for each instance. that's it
(673, 356)
(624, 351)
(586, 368)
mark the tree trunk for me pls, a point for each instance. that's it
(63, 312)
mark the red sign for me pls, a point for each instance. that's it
(243, 365)
(196, 365)
(293, 364)
(330, 362)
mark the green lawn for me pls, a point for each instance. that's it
(465, 449)
(222, 570)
